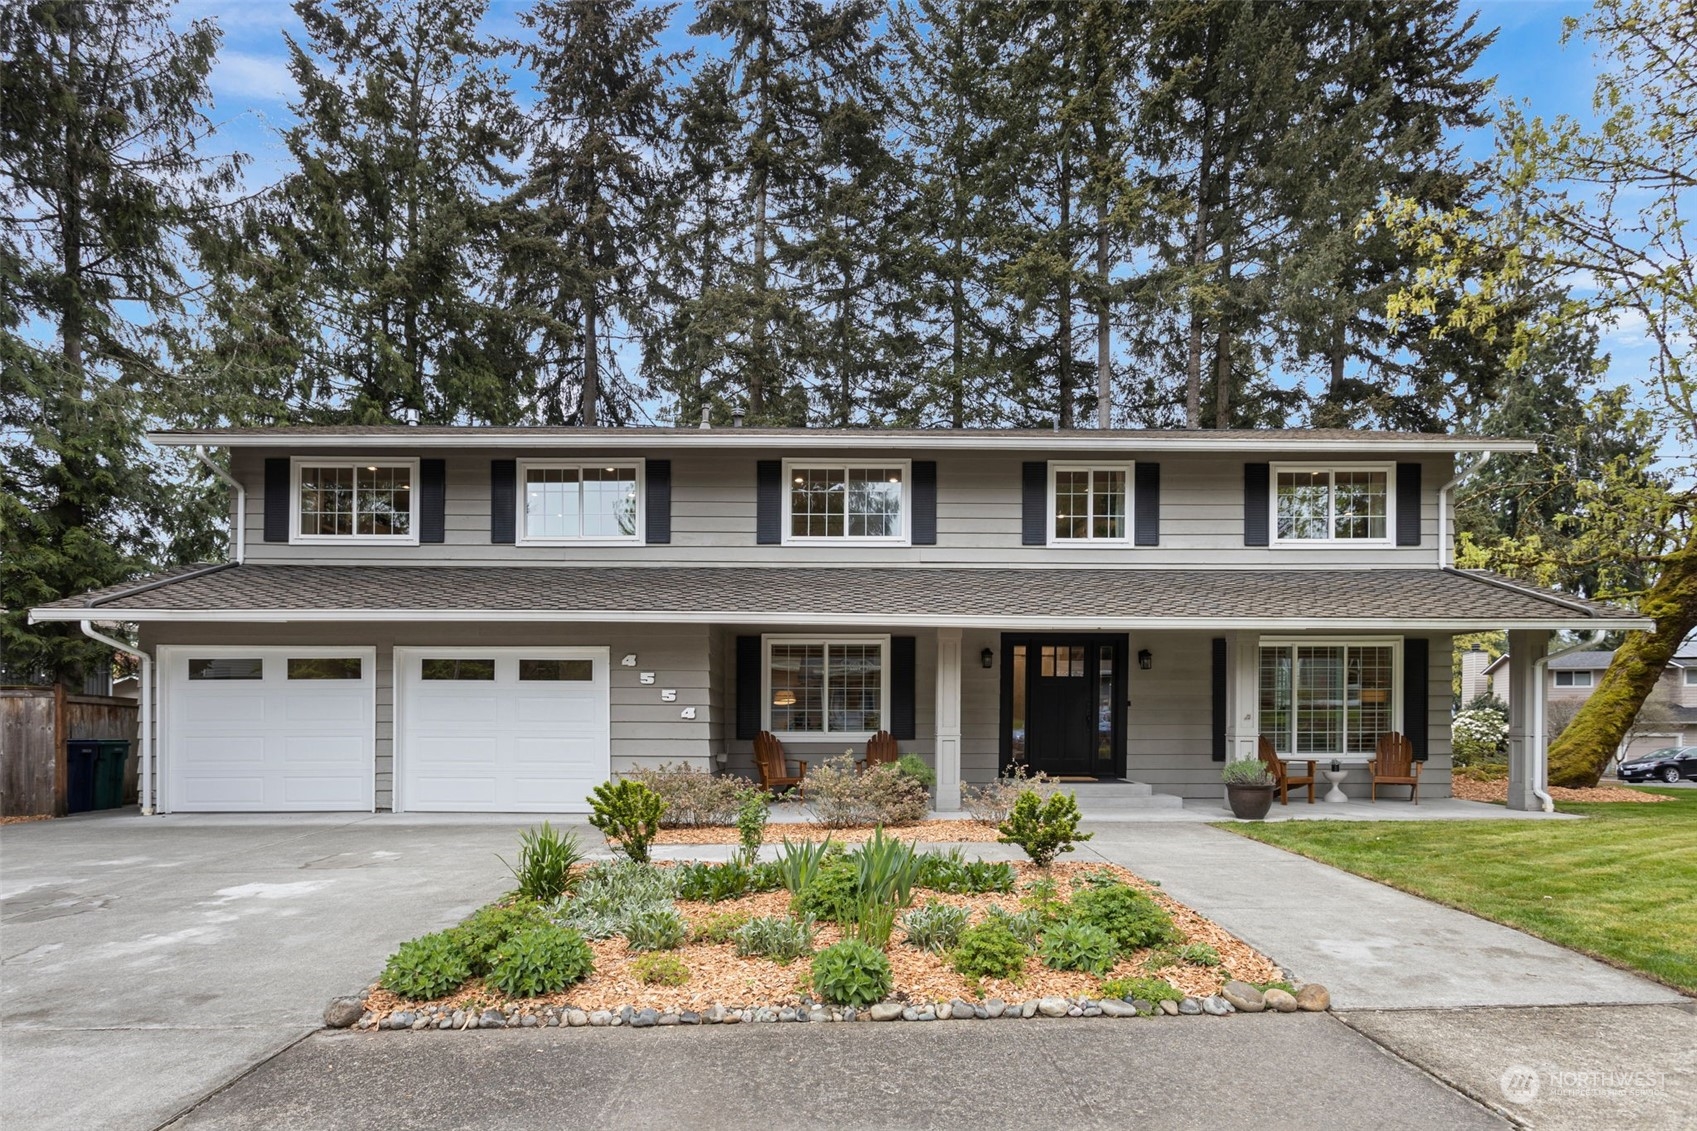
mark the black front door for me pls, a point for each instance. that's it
(1063, 704)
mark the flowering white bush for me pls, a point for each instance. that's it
(1477, 735)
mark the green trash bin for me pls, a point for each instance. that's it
(109, 761)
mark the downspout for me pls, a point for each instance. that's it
(1540, 787)
(238, 523)
(144, 703)
(1444, 493)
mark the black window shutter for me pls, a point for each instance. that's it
(769, 499)
(503, 500)
(432, 500)
(1146, 507)
(903, 670)
(1034, 504)
(1408, 504)
(923, 526)
(658, 501)
(1416, 688)
(1219, 697)
(749, 722)
(279, 508)
(1256, 486)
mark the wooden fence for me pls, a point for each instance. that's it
(35, 724)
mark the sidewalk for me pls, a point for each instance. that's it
(1373, 947)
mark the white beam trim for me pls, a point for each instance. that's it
(1525, 748)
(948, 719)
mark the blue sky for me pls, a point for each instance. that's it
(251, 87)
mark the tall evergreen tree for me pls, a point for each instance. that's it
(578, 237)
(359, 287)
(103, 170)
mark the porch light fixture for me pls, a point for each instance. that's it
(987, 658)
(1145, 659)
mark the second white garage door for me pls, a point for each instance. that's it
(500, 730)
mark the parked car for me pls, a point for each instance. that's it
(1670, 763)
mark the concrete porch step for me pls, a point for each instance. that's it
(1120, 797)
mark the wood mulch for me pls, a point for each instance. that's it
(1466, 789)
(719, 976)
(24, 820)
(934, 831)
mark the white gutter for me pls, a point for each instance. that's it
(238, 522)
(144, 702)
(1541, 769)
(1089, 439)
(1444, 494)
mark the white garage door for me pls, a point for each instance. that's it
(269, 729)
(500, 730)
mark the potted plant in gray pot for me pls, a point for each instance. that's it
(1249, 788)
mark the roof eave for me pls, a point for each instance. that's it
(737, 438)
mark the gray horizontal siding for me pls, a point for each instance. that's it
(978, 520)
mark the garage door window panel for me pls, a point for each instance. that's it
(459, 671)
(326, 667)
(556, 671)
(245, 667)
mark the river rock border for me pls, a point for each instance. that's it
(1234, 997)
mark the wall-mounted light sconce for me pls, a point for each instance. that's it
(1145, 659)
(987, 658)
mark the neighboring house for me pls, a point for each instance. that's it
(1669, 715)
(471, 618)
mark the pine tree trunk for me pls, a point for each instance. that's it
(1104, 332)
(1063, 312)
(1198, 259)
(1223, 342)
(1578, 756)
(590, 395)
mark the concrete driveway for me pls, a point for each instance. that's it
(147, 961)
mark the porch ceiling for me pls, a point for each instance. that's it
(905, 596)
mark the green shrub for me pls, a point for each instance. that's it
(781, 939)
(1478, 734)
(799, 862)
(1043, 899)
(713, 883)
(1199, 954)
(753, 812)
(612, 891)
(765, 875)
(1044, 829)
(1130, 918)
(1246, 771)
(886, 869)
(989, 950)
(913, 766)
(1073, 945)
(851, 972)
(659, 928)
(935, 927)
(1145, 989)
(541, 960)
(832, 893)
(426, 967)
(872, 922)
(694, 798)
(845, 797)
(951, 872)
(1025, 925)
(720, 928)
(659, 969)
(628, 813)
(546, 858)
(482, 932)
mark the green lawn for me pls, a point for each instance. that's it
(1621, 885)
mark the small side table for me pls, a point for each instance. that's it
(1336, 778)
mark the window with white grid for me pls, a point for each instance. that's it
(1332, 504)
(355, 500)
(1327, 698)
(857, 502)
(580, 501)
(827, 687)
(1089, 503)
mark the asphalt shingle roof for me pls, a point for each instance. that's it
(1217, 597)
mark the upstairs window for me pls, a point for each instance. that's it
(866, 503)
(1332, 504)
(1573, 679)
(581, 502)
(1089, 503)
(356, 500)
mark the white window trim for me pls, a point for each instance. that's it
(1573, 675)
(1093, 465)
(1331, 538)
(766, 643)
(1690, 677)
(297, 538)
(905, 538)
(520, 525)
(1392, 642)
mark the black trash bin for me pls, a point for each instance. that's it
(109, 772)
(80, 756)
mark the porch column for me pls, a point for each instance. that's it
(1242, 735)
(1525, 745)
(947, 750)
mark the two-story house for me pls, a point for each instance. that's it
(477, 618)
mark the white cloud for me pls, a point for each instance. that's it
(244, 76)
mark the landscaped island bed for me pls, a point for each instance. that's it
(934, 832)
(718, 975)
